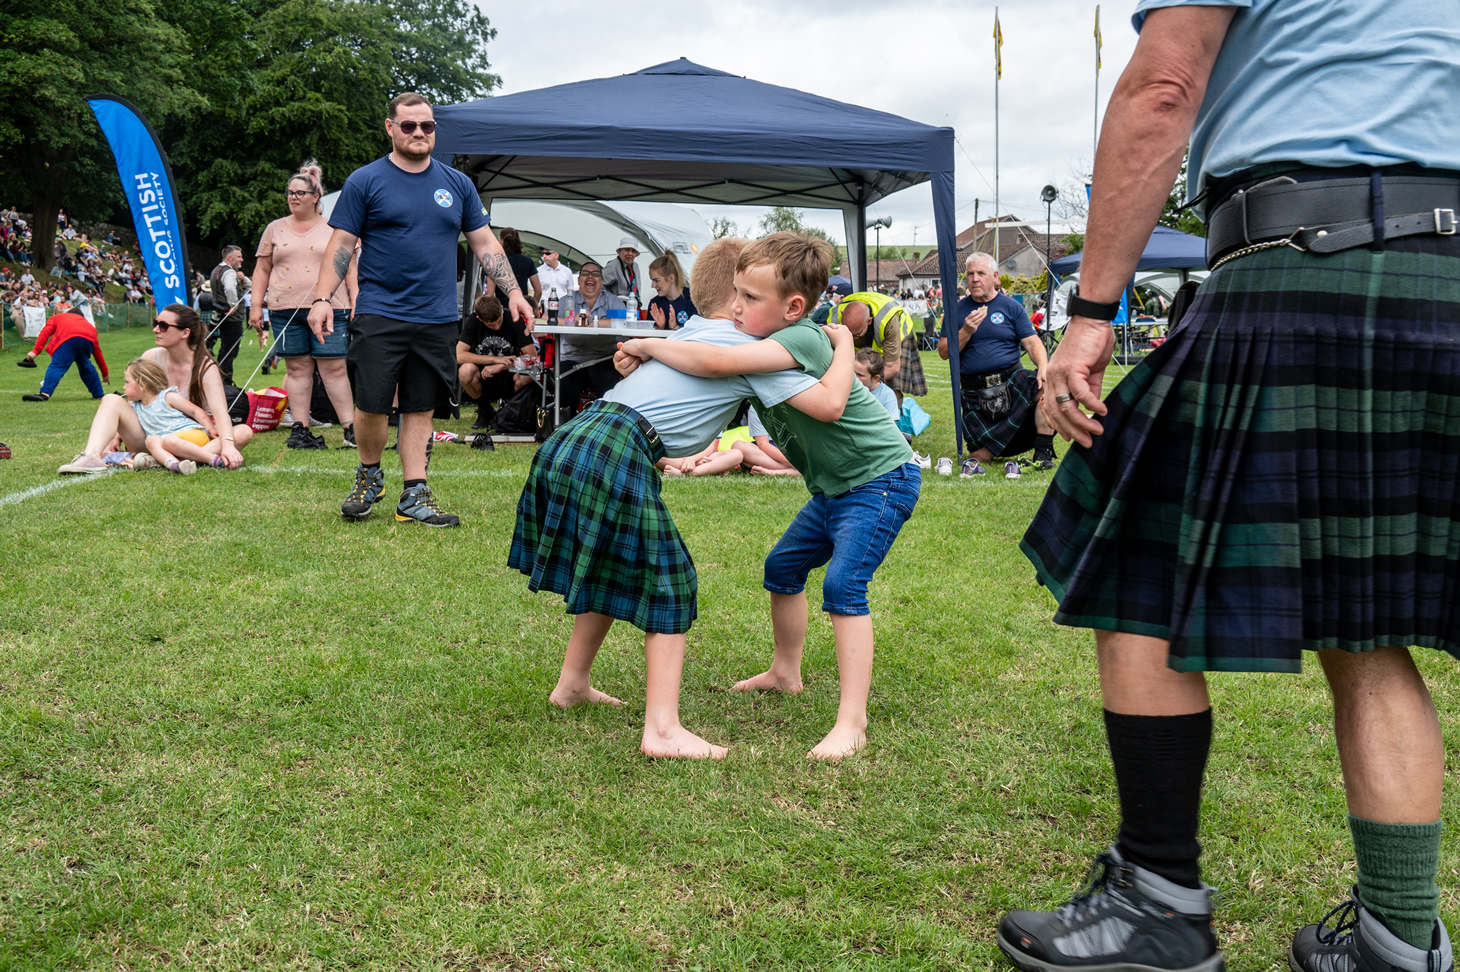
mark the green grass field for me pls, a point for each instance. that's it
(237, 732)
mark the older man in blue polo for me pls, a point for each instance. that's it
(1000, 417)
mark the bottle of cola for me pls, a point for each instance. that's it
(552, 308)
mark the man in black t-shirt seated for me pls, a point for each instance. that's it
(484, 354)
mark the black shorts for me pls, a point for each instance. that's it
(419, 358)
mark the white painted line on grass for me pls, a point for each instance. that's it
(325, 471)
(55, 484)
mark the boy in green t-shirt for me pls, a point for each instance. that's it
(863, 480)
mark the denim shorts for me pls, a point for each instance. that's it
(298, 340)
(850, 533)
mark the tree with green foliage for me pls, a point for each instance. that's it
(316, 78)
(721, 227)
(789, 219)
(52, 55)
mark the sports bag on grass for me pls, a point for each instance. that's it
(913, 421)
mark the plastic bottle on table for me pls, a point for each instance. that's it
(631, 306)
(552, 308)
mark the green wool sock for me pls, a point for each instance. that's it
(1397, 867)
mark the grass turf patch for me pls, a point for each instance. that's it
(239, 732)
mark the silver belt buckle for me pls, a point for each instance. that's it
(1441, 215)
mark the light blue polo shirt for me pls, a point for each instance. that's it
(688, 412)
(1328, 83)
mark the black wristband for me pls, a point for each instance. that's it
(1077, 306)
(330, 300)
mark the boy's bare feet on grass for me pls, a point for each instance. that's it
(678, 742)
(764, 471)
(565, 698)
(769, 681)
(838, 743)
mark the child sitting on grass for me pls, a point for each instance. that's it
(863, 480)
(719, 458)
(591, 525)
(174, 426)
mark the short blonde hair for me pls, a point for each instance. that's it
(148, 374)
(802, 263)
(713, 278)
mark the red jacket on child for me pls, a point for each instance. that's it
(62, 328)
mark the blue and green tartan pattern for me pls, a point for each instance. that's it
(592, 527)
(1283, 474)
(1012, 433)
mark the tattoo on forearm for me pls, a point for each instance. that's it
(500, 271)
(342, 264)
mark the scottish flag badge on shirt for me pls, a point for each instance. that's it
(443, 198)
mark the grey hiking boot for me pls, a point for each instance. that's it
(367, 489)
(1351, 939)
(1127, 920)
(419, 506)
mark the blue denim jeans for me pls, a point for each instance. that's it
(75, 351)
(850, 533)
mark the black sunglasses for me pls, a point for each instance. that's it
(163, 325)
(409, 127)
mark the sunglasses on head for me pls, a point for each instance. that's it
(158, 325)
(409, 127)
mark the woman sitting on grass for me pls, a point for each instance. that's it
(174, 426)
(181, 352)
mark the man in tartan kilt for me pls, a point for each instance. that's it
(1000, 419)
(1280, 475)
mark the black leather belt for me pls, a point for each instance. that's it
(656, 446)
(988, 380)
(1328, 215)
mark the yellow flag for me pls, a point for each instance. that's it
(1097, 37)
(998, 48)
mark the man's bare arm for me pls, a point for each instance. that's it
(488, 251)
(336, 264)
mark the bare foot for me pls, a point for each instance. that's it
(838, 743)
(769, 682)
(679, 743)
(672, 471)
(767, 471)
(565, 699)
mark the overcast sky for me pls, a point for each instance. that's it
(930, 61)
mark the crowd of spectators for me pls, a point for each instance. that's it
(82, 269)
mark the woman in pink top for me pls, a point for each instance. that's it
(289, 257)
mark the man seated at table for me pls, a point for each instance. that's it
(594, 301)
(484, 354)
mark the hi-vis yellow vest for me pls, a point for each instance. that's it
(890, 323)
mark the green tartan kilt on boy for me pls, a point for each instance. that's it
(1283, 474)
(591, 525)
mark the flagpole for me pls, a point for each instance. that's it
(998, 75)
(1095, 141)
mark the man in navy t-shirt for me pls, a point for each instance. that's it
(406, 211)
(999, 397)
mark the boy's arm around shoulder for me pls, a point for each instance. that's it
(712, 361)
(827, 399)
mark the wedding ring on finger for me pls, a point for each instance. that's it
(1061, 399)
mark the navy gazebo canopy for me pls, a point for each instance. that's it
(681, 132)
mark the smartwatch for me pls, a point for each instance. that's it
(1077, 306)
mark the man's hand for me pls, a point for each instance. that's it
(974, 319)
(520, 308)
(1077, 373)
(322, 318)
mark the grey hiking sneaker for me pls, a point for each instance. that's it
(1350, 939)
(1127, 920)
(367, 489)
(419, 505)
